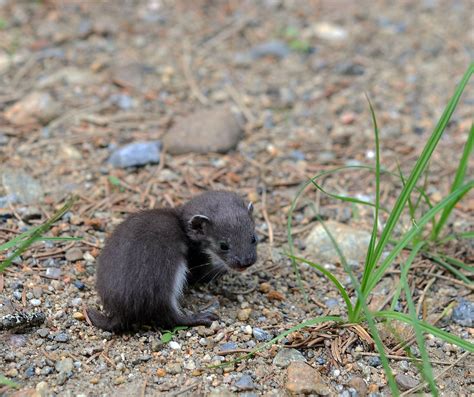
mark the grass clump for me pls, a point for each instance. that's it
(384, 247)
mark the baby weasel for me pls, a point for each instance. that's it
(150, 257)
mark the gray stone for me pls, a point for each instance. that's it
(53, 273)
(274, 48)
(36, 107)
(209, 130)
(463, 313)
(406, 382)
(359, 385)
(20, 186)
(228, 346)
(352, 242)
(286, 356)
(304, 379)
(245, 383)
(35, 302)
(136, 154)
(43, 332)
(65, 365)
(261, 335)
(74, 254)
(62, 337)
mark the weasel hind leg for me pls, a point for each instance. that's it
(100, 320)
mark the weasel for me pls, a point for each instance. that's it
(150, 257)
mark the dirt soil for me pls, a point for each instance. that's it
(105, 74)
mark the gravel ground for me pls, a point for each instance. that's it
(249, 96)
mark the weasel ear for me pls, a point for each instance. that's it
(198, 222)
(250, 208)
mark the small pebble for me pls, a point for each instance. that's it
(74, 254)
(174, 345)
(53, 272)
(78, 316)
(79, 285)
(261, 335)
(406, 382)
(244, 314)
(35, 302)
(374, 361)
(43, 332)
(62, 337)
(245, 383)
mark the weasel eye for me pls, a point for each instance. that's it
(254, 239)
(224, 246)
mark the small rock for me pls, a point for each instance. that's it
(274, 48)
(53, 273)
(35, 302)
(406, 382)
(136, 154)
(30, 371)
(43, 332)
(78, 316)
(62, 337)
(131, 75)
(160, 372)
(463, 313)
(248, 330)
(352, 242)
(244, 314)
(17, 340)
(304, 379)
(245, 383)
(330, 32)
(228, 346)
(65, 365)
(331, 303)
(74, 254)
(79, 285)
(174, 368)
(349, 69)
(286, 356)
(261, 335)
(76, 302)
(359, 385)
(264, 287)
(20, 185)
(374, 361)
(297, 155)
(156, 345)
(12, 373)
(37, 107)
(210, 130)
(42, 389)
(174, 345)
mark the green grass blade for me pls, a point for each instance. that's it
(427, 370)
(420, 166)
(458, 180)
(404, 273)
(347, 199)
(332, 278)
(18, 239)
(7, 382)
(23, 246)
(408, 237)
(431, 329)
(448, 267)
(458, 263)
(369, 263)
